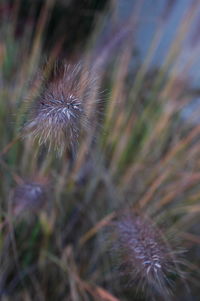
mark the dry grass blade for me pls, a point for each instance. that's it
(104, 222)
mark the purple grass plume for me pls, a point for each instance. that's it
(28, 197)
(61, 113)
(144, 256)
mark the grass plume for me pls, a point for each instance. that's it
(61, 113)
(144, 256)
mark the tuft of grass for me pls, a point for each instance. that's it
(62, 110)
(145, 258)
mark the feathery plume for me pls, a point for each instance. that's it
(28, 197)
(62, 110)
(144, 255)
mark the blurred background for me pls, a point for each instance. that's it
(140, 151)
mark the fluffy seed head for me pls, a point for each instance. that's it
(144, 255)
(62, 110)
(28, 197)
